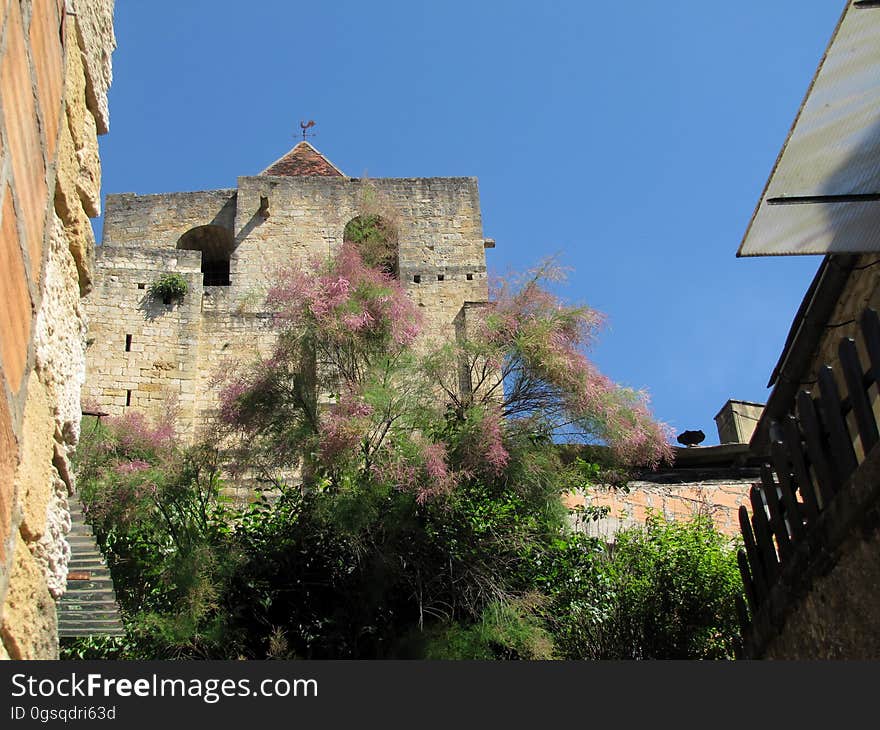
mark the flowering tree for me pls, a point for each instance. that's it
(342, 392)
(524, 361)
(347, 395)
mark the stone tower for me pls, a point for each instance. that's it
(145, 353)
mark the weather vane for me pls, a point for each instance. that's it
(306, 125)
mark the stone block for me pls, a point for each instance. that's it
(23, 137)
(28, 625)
(83, 129)
(59, 334)
(35, 475)
(8, 464)
(68, 207)
(48, 57)
(94, 28)
(15, 312)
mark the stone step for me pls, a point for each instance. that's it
(73, 621)
(91, 628)
(87, 554)
(80, 532)
(86, 565)
(73, 633)
(93, 583)
(78, 597)
(84, 551)
(90, 613)
(77, 538)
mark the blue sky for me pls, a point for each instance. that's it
(632, 139)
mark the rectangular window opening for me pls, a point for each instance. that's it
(128, 343)
(440, 277)
(128, 397)
(141, 285)
(417, 279)
(215, 273)
(470, 277)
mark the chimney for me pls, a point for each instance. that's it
(736, 421)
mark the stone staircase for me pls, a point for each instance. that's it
(89, 607)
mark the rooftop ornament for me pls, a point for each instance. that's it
(305, 126)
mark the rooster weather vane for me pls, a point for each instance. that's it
(304, 126)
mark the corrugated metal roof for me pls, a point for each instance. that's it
(823, 195)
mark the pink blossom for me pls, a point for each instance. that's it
(134, 431)
(132, 467)
(343, 427)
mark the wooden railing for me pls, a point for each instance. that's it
(814, 454)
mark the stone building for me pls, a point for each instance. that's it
(54, 76)
(151, 354)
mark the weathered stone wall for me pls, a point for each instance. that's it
(54, 75)
(441, 264)
(158, 221)
(141, 350)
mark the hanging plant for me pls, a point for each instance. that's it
(169, 287)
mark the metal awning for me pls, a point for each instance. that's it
(823, 195)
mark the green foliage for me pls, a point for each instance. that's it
(95, 647)
(506, 630)
(429, 521)
(160, 519)
(365, 570)
(376, 241)
(171, 286)
(664, 591)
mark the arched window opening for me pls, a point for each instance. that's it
(376, 240)
(216, 244)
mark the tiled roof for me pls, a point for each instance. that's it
(303, 160)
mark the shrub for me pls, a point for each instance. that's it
(663, 591)
(159, 517)
(169, 287)
(506, 630)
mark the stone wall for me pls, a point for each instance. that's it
(54, 76)
(158, 221)
(177, 350)
(718, 499)
(153, 347)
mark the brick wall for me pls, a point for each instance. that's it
(719, 499)
(54, 76)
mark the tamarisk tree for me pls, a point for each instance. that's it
(524, 363)
(354, 390)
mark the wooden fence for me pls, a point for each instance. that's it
(814, 454)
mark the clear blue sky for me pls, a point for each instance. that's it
(632, 138)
